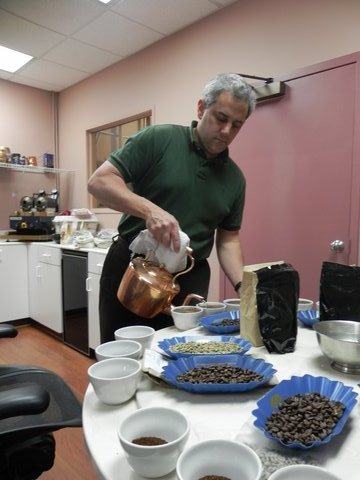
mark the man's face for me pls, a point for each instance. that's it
(221, 122)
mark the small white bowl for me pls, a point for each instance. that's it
(115, 380)
(232, 304)
(186, 316)
(211, 307)
(140, 333)
(118, 349)
(302, 472)
(305, 304)
(166, 423)
(225, 458)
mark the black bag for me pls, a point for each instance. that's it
(277, 293)
(339, 292)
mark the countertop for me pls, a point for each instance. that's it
(55, 245)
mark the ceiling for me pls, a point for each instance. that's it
(71, 40)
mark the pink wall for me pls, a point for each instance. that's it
(250, 36)
(26, 127)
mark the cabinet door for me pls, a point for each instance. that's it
(45, 287)
(14, 300)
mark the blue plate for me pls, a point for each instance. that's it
(331, 389)
(308, 317)
(166, 344)
(210, 322)
(182, 365)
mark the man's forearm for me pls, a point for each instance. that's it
(231, 260)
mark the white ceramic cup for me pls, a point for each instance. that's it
(115, 380)
(186, 316)
(226, 458)
(211, 307)
(166, 423)
(305, 304)
(118, 349)
(302, 472)
(232, 304)
(140, 333)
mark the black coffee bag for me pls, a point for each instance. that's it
(268, 303)
(339, 292)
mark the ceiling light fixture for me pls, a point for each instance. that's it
(11, 60)
(105, 1)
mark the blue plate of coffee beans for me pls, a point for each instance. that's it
(222, 323)
(308, 317)
(177, 347)
(320, 406)
(218, 373)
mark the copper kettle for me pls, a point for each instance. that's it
(147, 289)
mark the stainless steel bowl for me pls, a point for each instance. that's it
(339, 341)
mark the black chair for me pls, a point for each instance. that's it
(34, 402)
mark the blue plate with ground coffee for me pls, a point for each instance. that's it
(222, 323)
(177, 347)
(218, 373)
(321, 407)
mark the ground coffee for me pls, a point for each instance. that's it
(149, 441)
(214, 477)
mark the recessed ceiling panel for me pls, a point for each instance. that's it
(117, 34)
(165, 16)
(81, 56)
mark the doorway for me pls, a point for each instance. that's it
(300, 156)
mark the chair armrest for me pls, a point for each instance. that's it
(25, 400)
(7, 330)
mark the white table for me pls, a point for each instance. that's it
(222, 416)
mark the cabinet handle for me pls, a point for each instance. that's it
(100, 265)
(1, 254)
(46, 255)
(87, 284)
(38, 271)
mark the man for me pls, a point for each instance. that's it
(181, 178)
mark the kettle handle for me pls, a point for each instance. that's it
(190, 267)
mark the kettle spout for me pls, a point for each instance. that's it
(187, 300)
(189, 297)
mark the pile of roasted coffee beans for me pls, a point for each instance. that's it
(149, 441)
(205, 348)
(226, 322)
(305, 418)
(220, 373)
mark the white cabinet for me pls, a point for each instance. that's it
(14, 299)
(45, 287)
(95, 264)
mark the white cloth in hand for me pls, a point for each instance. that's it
(145, 244)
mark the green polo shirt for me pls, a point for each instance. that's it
(166, 165)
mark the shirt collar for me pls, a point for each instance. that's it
(221, 158)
